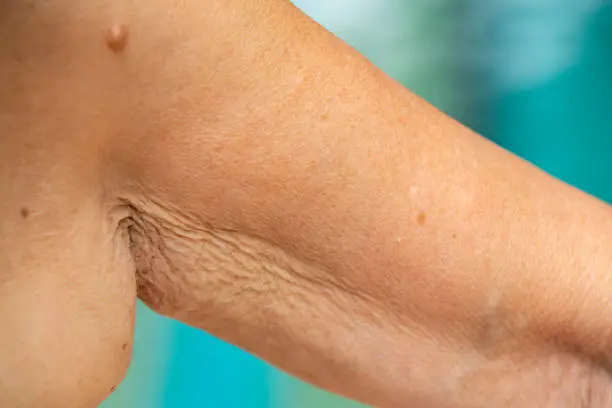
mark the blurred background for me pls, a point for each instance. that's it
(535, 76)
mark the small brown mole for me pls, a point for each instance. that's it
(124, 346)
(117, 38)
(113, 388)
(422, 218)
(25, 212)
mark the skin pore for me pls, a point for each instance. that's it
(270, 186)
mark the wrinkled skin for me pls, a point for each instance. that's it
(243, 171)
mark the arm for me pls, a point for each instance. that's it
(314, 212)
(286, 196)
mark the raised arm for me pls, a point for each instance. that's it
(283, 194)
(292, 199)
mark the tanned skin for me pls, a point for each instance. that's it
(247, 173)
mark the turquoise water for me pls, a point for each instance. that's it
(531, 75)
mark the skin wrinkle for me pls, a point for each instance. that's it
(237, 253)
(151, 239)
(186, 228)
(159, 227)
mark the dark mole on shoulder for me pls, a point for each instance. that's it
(113, 388)
(25, 212)
(117, 38)
(422, 218)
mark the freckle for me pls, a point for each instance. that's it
(117, 38)
(324, 116)
(25, 213)
(124, 346)
(421, 219)
(454, 236)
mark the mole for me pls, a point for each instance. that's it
(421, 219)
(25, 213)
(117, 38)
(113, 388)
(124, 346)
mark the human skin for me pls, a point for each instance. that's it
(267, 184)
